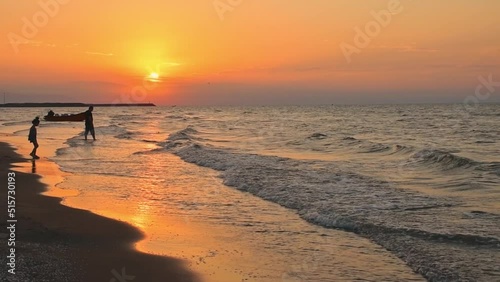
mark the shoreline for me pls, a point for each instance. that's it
(217, 253)
(55, 241)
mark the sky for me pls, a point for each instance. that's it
(247, 52)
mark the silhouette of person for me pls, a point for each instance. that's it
(89, 123)
(32, 137)
(51, 113)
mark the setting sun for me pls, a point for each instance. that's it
(154, 75)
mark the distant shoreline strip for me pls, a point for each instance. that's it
(68, 105)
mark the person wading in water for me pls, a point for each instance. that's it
(89, 123)
(32, 137)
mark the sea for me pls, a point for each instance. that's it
(293, 193)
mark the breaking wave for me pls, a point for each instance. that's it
(429, 233)
(365, 146)
(442, 158)
(318, 136)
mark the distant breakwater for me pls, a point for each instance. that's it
(70, 105)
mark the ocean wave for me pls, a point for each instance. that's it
(486, 142)
(367, 147)
(401, 149)
(181, 137)
(149, 141)
(484, 114)
(27, 123)
(128, 116)
(176, 117)
(492, 168)
(375, 148)
(126, 135)
(185, 134)
(427, 232)
(444, 159)
(110, 130)
(318, 136)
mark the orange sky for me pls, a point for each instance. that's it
(251, 52)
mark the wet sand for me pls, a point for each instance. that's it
(59, 243)
(227, 235)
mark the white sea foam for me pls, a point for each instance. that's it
(417, 227)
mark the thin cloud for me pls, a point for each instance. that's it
(406, 48)
(170, 64)
(99, 54)
(32, 43)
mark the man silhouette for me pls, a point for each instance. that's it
(89, 123)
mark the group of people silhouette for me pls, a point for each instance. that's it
(32, 137)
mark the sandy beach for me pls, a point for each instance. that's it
(59, 243)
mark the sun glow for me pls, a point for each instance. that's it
(154, 75)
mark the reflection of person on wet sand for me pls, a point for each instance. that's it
(33, 166)
(32, 137)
